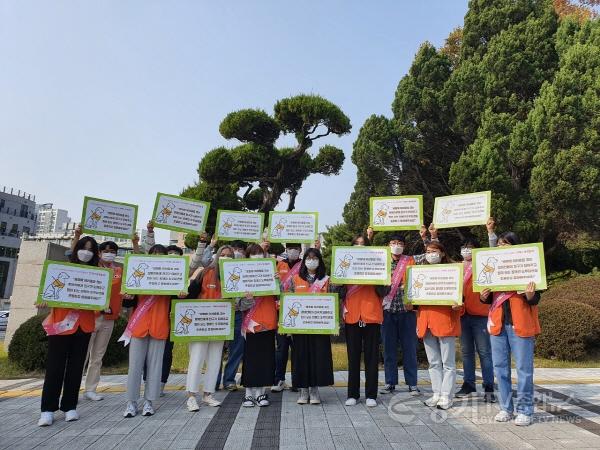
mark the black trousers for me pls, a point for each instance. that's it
(64, 370)
(365, 340)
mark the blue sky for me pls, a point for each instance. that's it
(120, 100)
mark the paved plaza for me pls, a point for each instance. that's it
(567, 416)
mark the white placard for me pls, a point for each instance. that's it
(202, 320)
(239, 276)
(154, 274)
(462, 210)
(396, 213)
(296, 227)
(361, 265)
(435, 284)
(179, 214)
(232, 225)
(309, 314)
(108, 218)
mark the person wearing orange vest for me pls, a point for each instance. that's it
(146, 332)
(312, 363)
(363, 315)
(513, 325)
(286, 269)
(259, 325)
(206, 287)
(69, 332)
(105, 322)
(438, 326)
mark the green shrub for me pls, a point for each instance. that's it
(570, 330)
(116, 352)
(29, 345)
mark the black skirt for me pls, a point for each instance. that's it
(259, 359)
(312, 364)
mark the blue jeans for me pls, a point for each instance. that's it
(475, 336)
(235, 351)
(400, 328)
(503, 345)
(282, 351)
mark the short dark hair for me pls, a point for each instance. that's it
(293, 245)
(397, 237)
(80, 245)
(157, 248)
(365, 238)
(108, 245)
(510, 237)
(174, 248)
(238, 244)
(252, 249)
(470, 240)
(320, 270)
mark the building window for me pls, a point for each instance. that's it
(2, 227)
(26, 230)
(24, 210)
(14, 230)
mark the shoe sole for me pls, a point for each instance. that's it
(302, 403)
(315, 403)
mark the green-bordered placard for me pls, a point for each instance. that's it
(69, 285)
(309, 314)
(107, 218)
(293, 227)
(361, 265)
(155, 274)
(239, 276)
(234, 225)
(176, 213)
(509, 268)
(434, 284)
(462, 210)
(404, 212)
(202, 320)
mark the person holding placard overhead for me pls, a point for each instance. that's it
(438, 326)
(287, 270)
(206, 287)
(312, 364)
(513, 325)
(258, 327)
(363, 315)
(69, 332)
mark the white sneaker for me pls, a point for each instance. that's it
(523, 420)
(148, 410)
(46, 419)
(351, 401)
(432, 401)
(91, 395)
(445, 402)
(210, 400)
(371, 402)
(303, 398)
(279, 386)
(130, 410)
(315, 398)
(503, 416)
(71, 415)
(192, 404)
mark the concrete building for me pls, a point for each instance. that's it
(50, 219)
(17, 218)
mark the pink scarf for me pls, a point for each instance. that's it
(499, 299)
(67, 324)
(318, 285)
(137, 315)
(248, 323)
(286, 281)
(397, 278)
(468, 271)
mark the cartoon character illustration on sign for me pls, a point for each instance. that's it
(290, 318)
(279, 227)
(226, 227)
(135, 278)
(184, 323)
(233, 280)
(165, 212)
(485, 274)
(94, 218)
(416, 286)
(446, 211)
(379, 218)
(343, 266)
(52, 291)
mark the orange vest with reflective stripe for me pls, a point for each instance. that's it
(86, 321)
(442, 321)
(524, 318)
(472, 304)
(265, 314)
(156, 320)
(116, 298)
(364, 304)
(211, 287)
(303, 287)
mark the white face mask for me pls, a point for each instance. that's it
(256, 256)
(397, 249)
(433, 258)
(312, 264)
(224, 257)
(85, 255)
(108, 257)
(293, 254)
(239, 255)
(466, 253)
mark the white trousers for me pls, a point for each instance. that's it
(441, 354)
(96, 350)
(208, 352)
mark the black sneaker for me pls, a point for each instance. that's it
(489, 396)
(387, 389)
(414, 391)
(465, 391)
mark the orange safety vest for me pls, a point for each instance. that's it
(472, 304)
(524, 318)
(116, 298)
(302, 286)
(363, 305)
(211, 286)
(86, 320)
(156, 320)
(442, 321)
(265, 314)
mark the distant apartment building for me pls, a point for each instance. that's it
(50, 219)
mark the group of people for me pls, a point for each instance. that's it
(493, 325)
